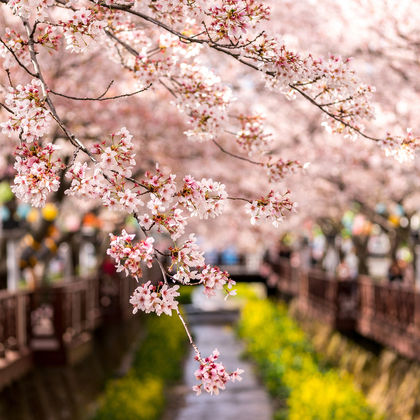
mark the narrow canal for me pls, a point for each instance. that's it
(245, 400)
(213, 327)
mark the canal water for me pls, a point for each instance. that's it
(212, 328)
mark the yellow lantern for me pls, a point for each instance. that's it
(394, 219)
(49, 212)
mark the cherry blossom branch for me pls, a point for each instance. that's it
(122, 43)
(101, 98)
(171, 91)
(106, 90)
(75, 141)
(197, 351)
(236, 56)
(160, 252)
(222, 149)
(334, 117)
(6, 108)
(232, 45)
(9, 77)
(337, 102)
(238, 199)
(17, 59)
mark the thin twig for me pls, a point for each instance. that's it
(17, 59)
(9, 77)
(124, 44)
(197, 352)
(239, 199)
(334, 117)
(6, 108)
(222, 149)
(170, 90)
(100, 98)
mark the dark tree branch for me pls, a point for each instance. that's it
(17, 59)
(222, 149)
(101, 97)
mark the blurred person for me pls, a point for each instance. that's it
(395, 273)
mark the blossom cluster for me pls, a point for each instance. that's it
(129, 255)
(279, 169)
(213, 375)
(174, 12)
(172, 221)
(402, 148)
(198, 92)
(31, 119)
(119, 156)
(253, 136)
(164, 211)
(188, 262)
(148, 67)
(107, 179)
(186, 259)
(162, 188)
(280, 65)
(159, 299)
(82, 28)
(331, 82)
(223, 19)
(28, 8)
(203, 98)
(232, 18)
(49, 37)
(37, 173)
(169, 10)
(273, 207)
(15, 42)
(205, 198)
(213, 278)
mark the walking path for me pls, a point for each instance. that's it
(245, 400)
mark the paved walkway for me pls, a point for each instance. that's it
(245, 400)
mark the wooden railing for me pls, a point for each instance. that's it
(288, 277)
(385, 312)
(390, 314)
(62, 317)
(54, 325)
(326, 298)
(15, 356)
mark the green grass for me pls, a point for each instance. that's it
(157, 362)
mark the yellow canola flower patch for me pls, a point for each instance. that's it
(289, 366)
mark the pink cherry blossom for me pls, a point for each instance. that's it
(213, 375)
(213, 278)
(273, 207)
(129, 255)
(37, 173)
(31, 119)
(159, 299)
